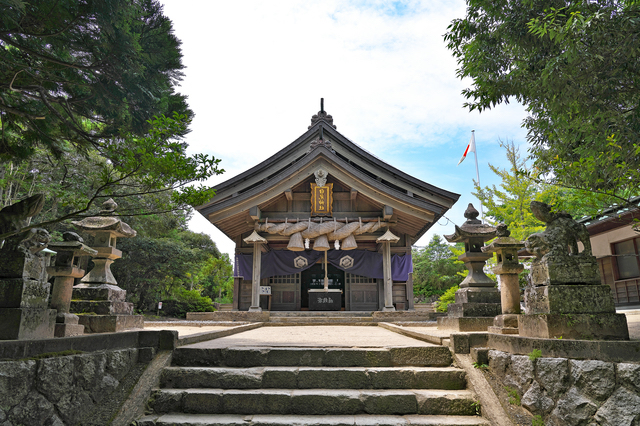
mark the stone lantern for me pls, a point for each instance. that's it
(508, 269)
(98, 292)
(477, 301)
(66, 270)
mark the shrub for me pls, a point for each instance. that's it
(184, 301)
(448, 297)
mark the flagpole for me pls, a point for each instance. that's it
(475, 154)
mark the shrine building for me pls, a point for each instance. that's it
(324, 225)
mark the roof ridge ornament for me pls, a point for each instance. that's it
(321, 177)
(322, 115)
(320, 142)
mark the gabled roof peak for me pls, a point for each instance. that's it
(322, 115)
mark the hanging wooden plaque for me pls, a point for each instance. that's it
(321, 200)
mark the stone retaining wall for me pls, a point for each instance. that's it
(62, 390)
(568, 392)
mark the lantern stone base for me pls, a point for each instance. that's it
(27, 323)
(475, 302)
(575, 326)
(321, 300)
(67, 325)
(464, 310)
(110, 323)
(101, 307)
(99, 292)
(478, 295)
(505, 324)
(474, 309)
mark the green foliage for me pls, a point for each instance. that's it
(88, 109)
(514, 396)
(575, 67)
(74, 75)
(436, 268)
(535, 354)
(183, 301)
(447, 298)
(157, 268)
(482, 367)
(477, 406)
(216, 278)
(537, 420)
(509, 202)
(55, 354)
(145, 175)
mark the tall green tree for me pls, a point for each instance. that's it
(436, 268)
(575, 66)
(509, 202)
(153, 172)
(84, 72)
(88, 109)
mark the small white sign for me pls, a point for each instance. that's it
(265, 290)
(159, 305)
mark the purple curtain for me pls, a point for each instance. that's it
(358, 262)
(281, 262)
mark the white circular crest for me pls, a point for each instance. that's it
(346, 262)
(300, 262)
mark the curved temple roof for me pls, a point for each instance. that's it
(322, 146)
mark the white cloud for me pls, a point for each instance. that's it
(256, 71)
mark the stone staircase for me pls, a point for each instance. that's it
(322, 318)
(313, 386)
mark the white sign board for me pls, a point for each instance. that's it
(265, 290)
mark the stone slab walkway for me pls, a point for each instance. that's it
(315, 336)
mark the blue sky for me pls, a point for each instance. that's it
(256, 71)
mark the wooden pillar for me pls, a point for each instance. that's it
(236, 293)
(386, 241)
(257, 242)
(388, 281)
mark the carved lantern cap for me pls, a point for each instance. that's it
(388, 237)
(472, 228)
(112, 224)
(254, 238)
(503, 242)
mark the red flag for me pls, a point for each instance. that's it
(470, 148)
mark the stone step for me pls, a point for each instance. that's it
(300, 314)
(448, 378)
(321, 320)
(314, 401)
(179, 419)
(419, 356)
